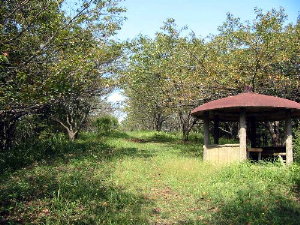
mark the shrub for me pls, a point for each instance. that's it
(105, 125)
(297, 146)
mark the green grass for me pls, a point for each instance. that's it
(143, 178)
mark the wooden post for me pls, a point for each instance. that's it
(206, 136)
(243, 136)
(216, 130)
(289, 139)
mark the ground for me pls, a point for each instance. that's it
(144, 178)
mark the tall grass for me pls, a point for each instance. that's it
(144, 178)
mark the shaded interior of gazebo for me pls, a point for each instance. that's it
(248, 109)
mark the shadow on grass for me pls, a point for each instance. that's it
(60, 150)
(119, 134)
(65, 182)
(248, 207)
(161, 137)
(68, 195)
(46, 152)
(113, 134)
(172, 137)
(245, 210)
(154, 138)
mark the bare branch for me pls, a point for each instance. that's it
(61, 123)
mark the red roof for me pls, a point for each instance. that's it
(255, 104)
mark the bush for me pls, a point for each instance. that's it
(34, 150)
(297, 146)
(105, 125)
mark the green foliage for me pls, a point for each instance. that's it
(172, 73)
(161, 81)
(105, 125)
(45, 147)
(296, 146)
(51, 57)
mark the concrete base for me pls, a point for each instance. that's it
(224, 153)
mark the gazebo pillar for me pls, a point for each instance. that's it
(289, 139)
(243, 135)
(206, 136)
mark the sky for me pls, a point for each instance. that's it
(202, 16)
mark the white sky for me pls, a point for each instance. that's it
(116, 97)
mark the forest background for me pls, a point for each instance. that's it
(59, 63)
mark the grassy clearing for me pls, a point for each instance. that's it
(145, 178)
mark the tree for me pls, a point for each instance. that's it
(106, 124)
(144, 84)
(49, 56)
(178, 71)
(71, 115)
(256, 52)
(161, 79)
(262, 55)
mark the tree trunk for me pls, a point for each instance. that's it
(273, 128)
(159, 119)
(70, 130)
(7, 134)
(72, 134)
(187, 123)
(185, 134)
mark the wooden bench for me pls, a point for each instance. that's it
(258, 150)
(269, 152)
(274, 152)
(279, 155)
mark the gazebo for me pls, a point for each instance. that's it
(245, 108)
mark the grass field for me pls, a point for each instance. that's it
(142, 178)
